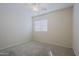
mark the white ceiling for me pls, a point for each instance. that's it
(48, 7)
(43, 7)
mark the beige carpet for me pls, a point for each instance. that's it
(35, 48)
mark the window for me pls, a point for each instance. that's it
(40, 25)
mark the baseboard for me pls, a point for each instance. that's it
(55, 43)
(14, 45)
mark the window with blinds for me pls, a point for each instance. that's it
(40, 25)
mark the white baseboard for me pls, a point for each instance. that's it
(56, 43)
(16, 44)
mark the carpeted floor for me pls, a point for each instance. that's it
(35, 48)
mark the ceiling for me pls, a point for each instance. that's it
(48, 7)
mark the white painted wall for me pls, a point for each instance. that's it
(15, 24)
(59, 28)
(76, 29)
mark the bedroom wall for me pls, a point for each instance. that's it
(76, 29)
(59, 28)
(15, 24)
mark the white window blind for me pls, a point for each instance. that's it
(40, 25)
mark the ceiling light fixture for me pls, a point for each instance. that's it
(35, 7)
